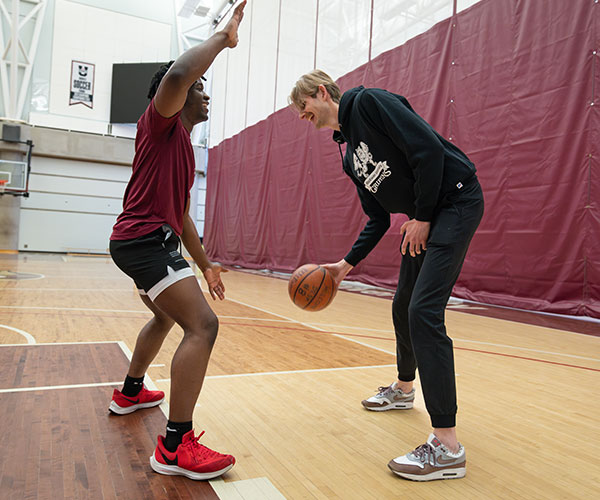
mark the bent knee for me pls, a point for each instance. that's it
(211, 323)
(207, 328)
(421, 310)
(164, 322)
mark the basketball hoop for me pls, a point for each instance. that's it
(3, 183)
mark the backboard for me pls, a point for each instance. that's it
(16, 175)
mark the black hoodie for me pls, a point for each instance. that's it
(398, 162)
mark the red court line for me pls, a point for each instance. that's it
(386, 338)
(131, 315)
(529, 359)
(304, 330)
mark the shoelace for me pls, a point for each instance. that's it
(383, 390)
(425, 453)
(199, 451)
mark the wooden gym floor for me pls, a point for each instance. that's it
(283, 394)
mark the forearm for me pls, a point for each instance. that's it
(367, 240)
(192, 243)
(194, 62)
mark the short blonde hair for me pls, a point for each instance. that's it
(308, 86)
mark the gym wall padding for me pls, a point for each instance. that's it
(513, 84)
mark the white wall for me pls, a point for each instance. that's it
(394, 23)
(100, 37)
(251, 82)
(343, 36)
(263, 62)
(72, 205)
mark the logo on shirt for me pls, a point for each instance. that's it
(362, 160)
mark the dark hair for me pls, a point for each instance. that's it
(157, 78)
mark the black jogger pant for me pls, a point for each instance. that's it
(419, 305)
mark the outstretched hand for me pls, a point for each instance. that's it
(231, 28)
(212, 275)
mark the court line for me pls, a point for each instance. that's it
(38, 277)
(529, 359)
(393, 339)
(286, 372)
(308, 329)
(316, 328)
(309, 325)
(312, 326)
(348, 327)
(456, 347)
(526, 349)
(78, 314)
(80, 276)
(60, 343)
(30, 338)
(478, 316)
(284, 318)
(148, 382)
(258, 487)
(89, 309)
(22, 288)
(53, 387)
(259, 319)
(542, 313)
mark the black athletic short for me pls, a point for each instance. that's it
(153, 261)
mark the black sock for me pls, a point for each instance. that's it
(132, 386)
(175, 432)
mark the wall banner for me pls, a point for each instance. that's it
(82, 84)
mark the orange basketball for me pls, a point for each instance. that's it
(311, 287)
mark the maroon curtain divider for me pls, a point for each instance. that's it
(513, 84)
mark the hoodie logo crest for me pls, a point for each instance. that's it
(362, 158)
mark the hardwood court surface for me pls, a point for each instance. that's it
(284, 387)
(62, 443)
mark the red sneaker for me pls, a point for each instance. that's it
(191, 459)
(122, 405)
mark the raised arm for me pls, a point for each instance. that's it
(192, 64)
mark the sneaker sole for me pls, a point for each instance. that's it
(395, 406)
(441, 474)
(173, 470)
(115, 408)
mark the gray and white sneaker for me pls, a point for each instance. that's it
(430, 461)
(390, 398)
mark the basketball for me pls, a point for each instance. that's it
(311, 287)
